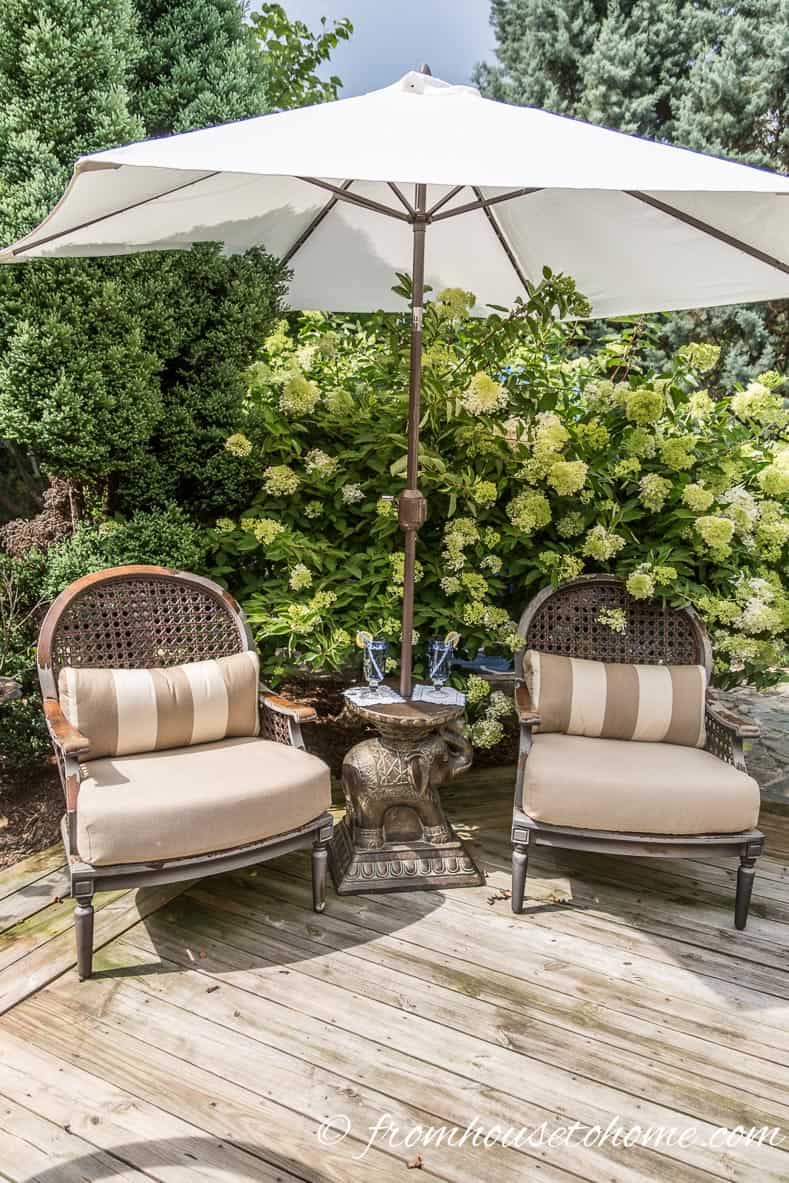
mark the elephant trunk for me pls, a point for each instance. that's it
(460, 753)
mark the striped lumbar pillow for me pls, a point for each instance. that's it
(126, 711)
(613, 700)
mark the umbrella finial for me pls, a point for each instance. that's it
(425, 69)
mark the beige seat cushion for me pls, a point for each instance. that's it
(650, 788)
(189, 801)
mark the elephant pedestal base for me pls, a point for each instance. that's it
(395, 835)
(400, 866)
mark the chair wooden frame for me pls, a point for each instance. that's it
(138, 617)
(560, 620)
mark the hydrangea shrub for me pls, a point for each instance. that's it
(542, 458)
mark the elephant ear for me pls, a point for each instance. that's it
(419, 764)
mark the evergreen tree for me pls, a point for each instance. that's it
(635, 75)
(623, 63)
(199, 65)
(697, 73)
(76, 381)
(124, 375)
(65, 67)
(736, 102)
(542, 48)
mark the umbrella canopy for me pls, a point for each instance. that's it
(641, 227)
(348, 192)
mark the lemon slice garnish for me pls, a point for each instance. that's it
(452, 638)
(363, 638)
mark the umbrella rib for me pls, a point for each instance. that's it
(401, 197)
(357, 199)
(482, 203)
(505, 246)
(712, 231)
(112, 214)
(443, 200)
(314, 224)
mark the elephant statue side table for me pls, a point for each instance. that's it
(395, 835)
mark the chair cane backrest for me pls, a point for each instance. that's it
(138, 618)
(565, 620)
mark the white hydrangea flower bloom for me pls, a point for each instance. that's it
(320, 462)
(352, 493)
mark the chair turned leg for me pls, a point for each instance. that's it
(83, 923)
(520, 864)
(320, 859)
(745, 877)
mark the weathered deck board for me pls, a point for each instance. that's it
(42, 947)
(512, 944)
(652, 880)
(776, 831)
(32, 1148)
(229, 1022)
(543, 969)
(578, 1050)
(33, 898)
(105, 1118)
(240, 1032)
(260, 1100)
(619, 902)
(30, 869)
(188, 930)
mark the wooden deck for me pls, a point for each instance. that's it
(228, 1021)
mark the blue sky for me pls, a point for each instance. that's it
(393, 36)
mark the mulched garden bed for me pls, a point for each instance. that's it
(31, 806)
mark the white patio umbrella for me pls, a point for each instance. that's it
(348, 192)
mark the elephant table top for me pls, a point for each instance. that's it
(408, 719)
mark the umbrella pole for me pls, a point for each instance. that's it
(412, 505)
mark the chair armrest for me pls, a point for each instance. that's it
(527, 715)
(742, 728)
(286, 706)
(528, 718)
(70, 741)
(725, 733)
(69, 745)
(281, 718)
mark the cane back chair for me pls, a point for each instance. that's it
(140, 617)
(564, 620)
